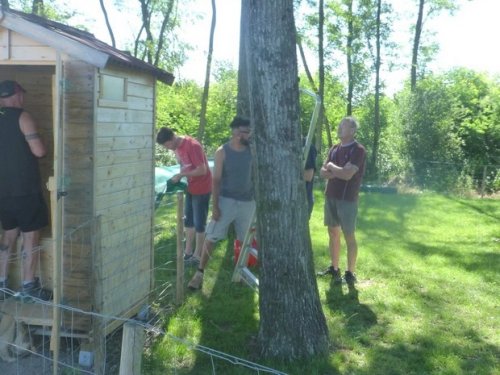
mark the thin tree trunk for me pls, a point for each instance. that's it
(292, 324)
(315, 89)
(204, 97)
(108, 24)
(350, 78)
(243, 97)
(376, 124)
(5, 4)
(37, 7)
(146, 23)
(416, 43)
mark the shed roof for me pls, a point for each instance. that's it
(75, 42)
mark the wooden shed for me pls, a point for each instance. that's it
(95, 106)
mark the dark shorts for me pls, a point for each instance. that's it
(341, 212)
(196, 211)
(28, 213)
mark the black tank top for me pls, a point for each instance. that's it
(19, 172)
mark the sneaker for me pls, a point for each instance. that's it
(192, 260)
(196, 281)
(350, 278)
(5, 292)
(333, 272)
(34, 289)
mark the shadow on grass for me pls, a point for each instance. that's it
(486, 207)
(433, 355)
(483, 264)
(358, 317)
(228, 317)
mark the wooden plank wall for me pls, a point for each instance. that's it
(124, 174)
(16, 49)
(78, 178)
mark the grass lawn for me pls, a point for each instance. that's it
(426, 301)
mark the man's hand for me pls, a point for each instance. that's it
(176, 178)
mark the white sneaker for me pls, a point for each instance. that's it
(196, 281)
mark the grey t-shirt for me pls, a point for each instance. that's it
(236, 180)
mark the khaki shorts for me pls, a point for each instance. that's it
(341, 212)
(231, 210)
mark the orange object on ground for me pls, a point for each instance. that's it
(252, 261)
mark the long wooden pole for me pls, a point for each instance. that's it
(180, 251)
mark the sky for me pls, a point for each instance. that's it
(467, 38)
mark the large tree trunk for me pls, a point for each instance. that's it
(292, 324)
(416, 43)
(204, 97)
(376, 123)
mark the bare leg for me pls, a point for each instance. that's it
(189, 240)
(30, 254)
(7, 245)
(208, 248)
(200, 239)
(334, 244)
(352, 251)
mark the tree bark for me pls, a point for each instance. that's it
(292, 324)
(204, 97)
(416, 43)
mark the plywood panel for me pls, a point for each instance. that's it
(125, 129)
(123, 157)
(106, 114)
(123, 143)
(123, 197)
(124, 182)
(114, 171)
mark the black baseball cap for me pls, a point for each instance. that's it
(9, 88)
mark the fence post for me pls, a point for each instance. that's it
(132, 346)
(180, 251)
(483, 182)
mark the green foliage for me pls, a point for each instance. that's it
(50, 10)
(178, 107)
(427, 119)
(391, 162)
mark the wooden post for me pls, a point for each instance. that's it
(132, 346)
(483, 182)
(180, 251)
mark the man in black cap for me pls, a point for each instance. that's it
(22, 206)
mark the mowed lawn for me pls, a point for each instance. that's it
(426, 301)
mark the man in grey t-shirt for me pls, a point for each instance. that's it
(232, 193)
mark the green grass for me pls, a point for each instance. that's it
(426, 301)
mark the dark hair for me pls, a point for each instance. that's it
(164, 135)
(239, 121)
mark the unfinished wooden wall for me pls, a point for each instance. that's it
(78, 116)
(124, 175)
(37, 80)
